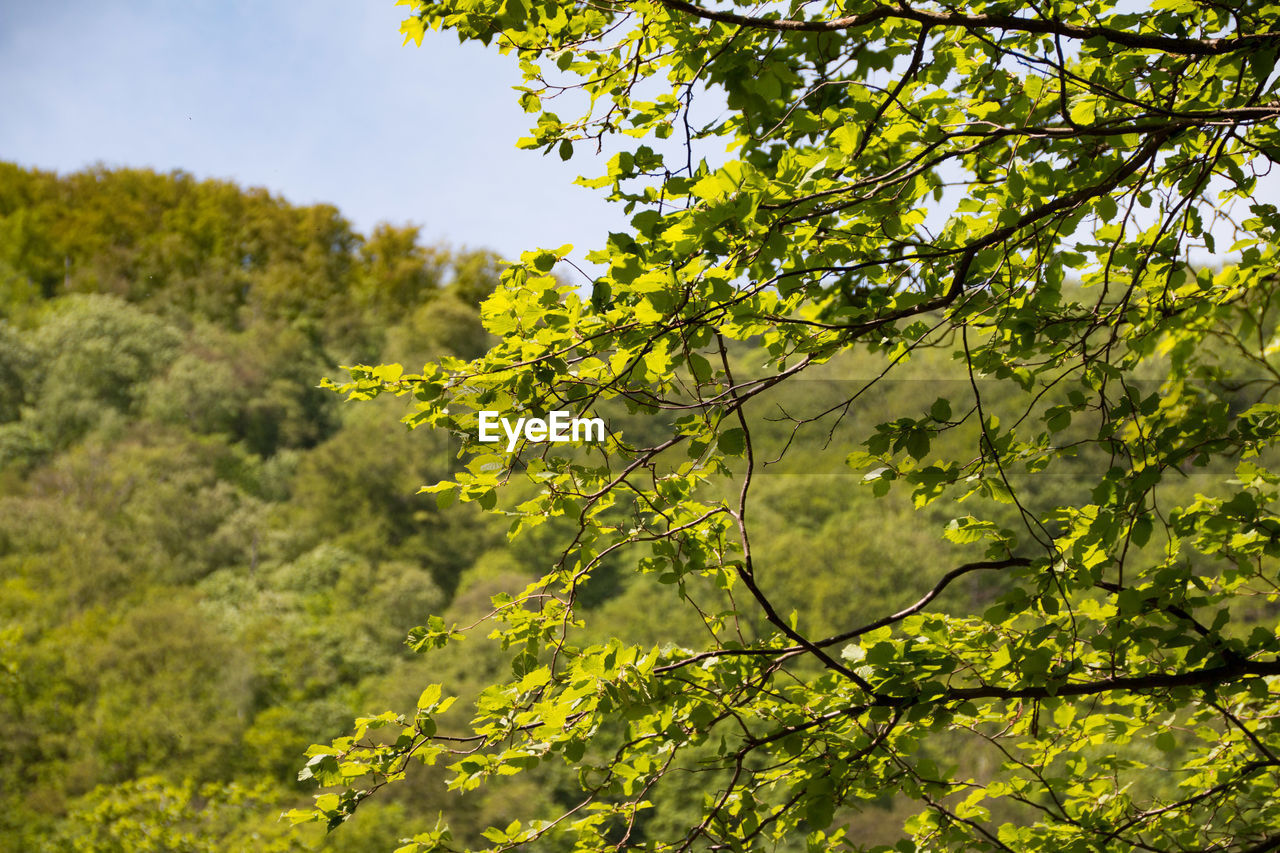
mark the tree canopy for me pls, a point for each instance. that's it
(1007, 268)
(206, 562)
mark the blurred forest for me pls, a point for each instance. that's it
(207, 562)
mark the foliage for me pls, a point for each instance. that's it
(1009, 202)
(211, 251)
(206, 563)
(151, 816)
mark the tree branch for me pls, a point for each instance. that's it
(1034, 26)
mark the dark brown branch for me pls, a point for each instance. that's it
(1146, 153)
(937, 590)
(942, 584)
(1210, 675)
(1034, 26)
(746, 571)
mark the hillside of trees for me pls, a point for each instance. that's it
(208, 562)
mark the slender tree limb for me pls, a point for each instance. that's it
(1036, 26)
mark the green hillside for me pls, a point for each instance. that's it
(208, 562)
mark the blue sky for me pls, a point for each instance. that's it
(316, 101)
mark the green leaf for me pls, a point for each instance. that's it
(430, 697)
(732, 442)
